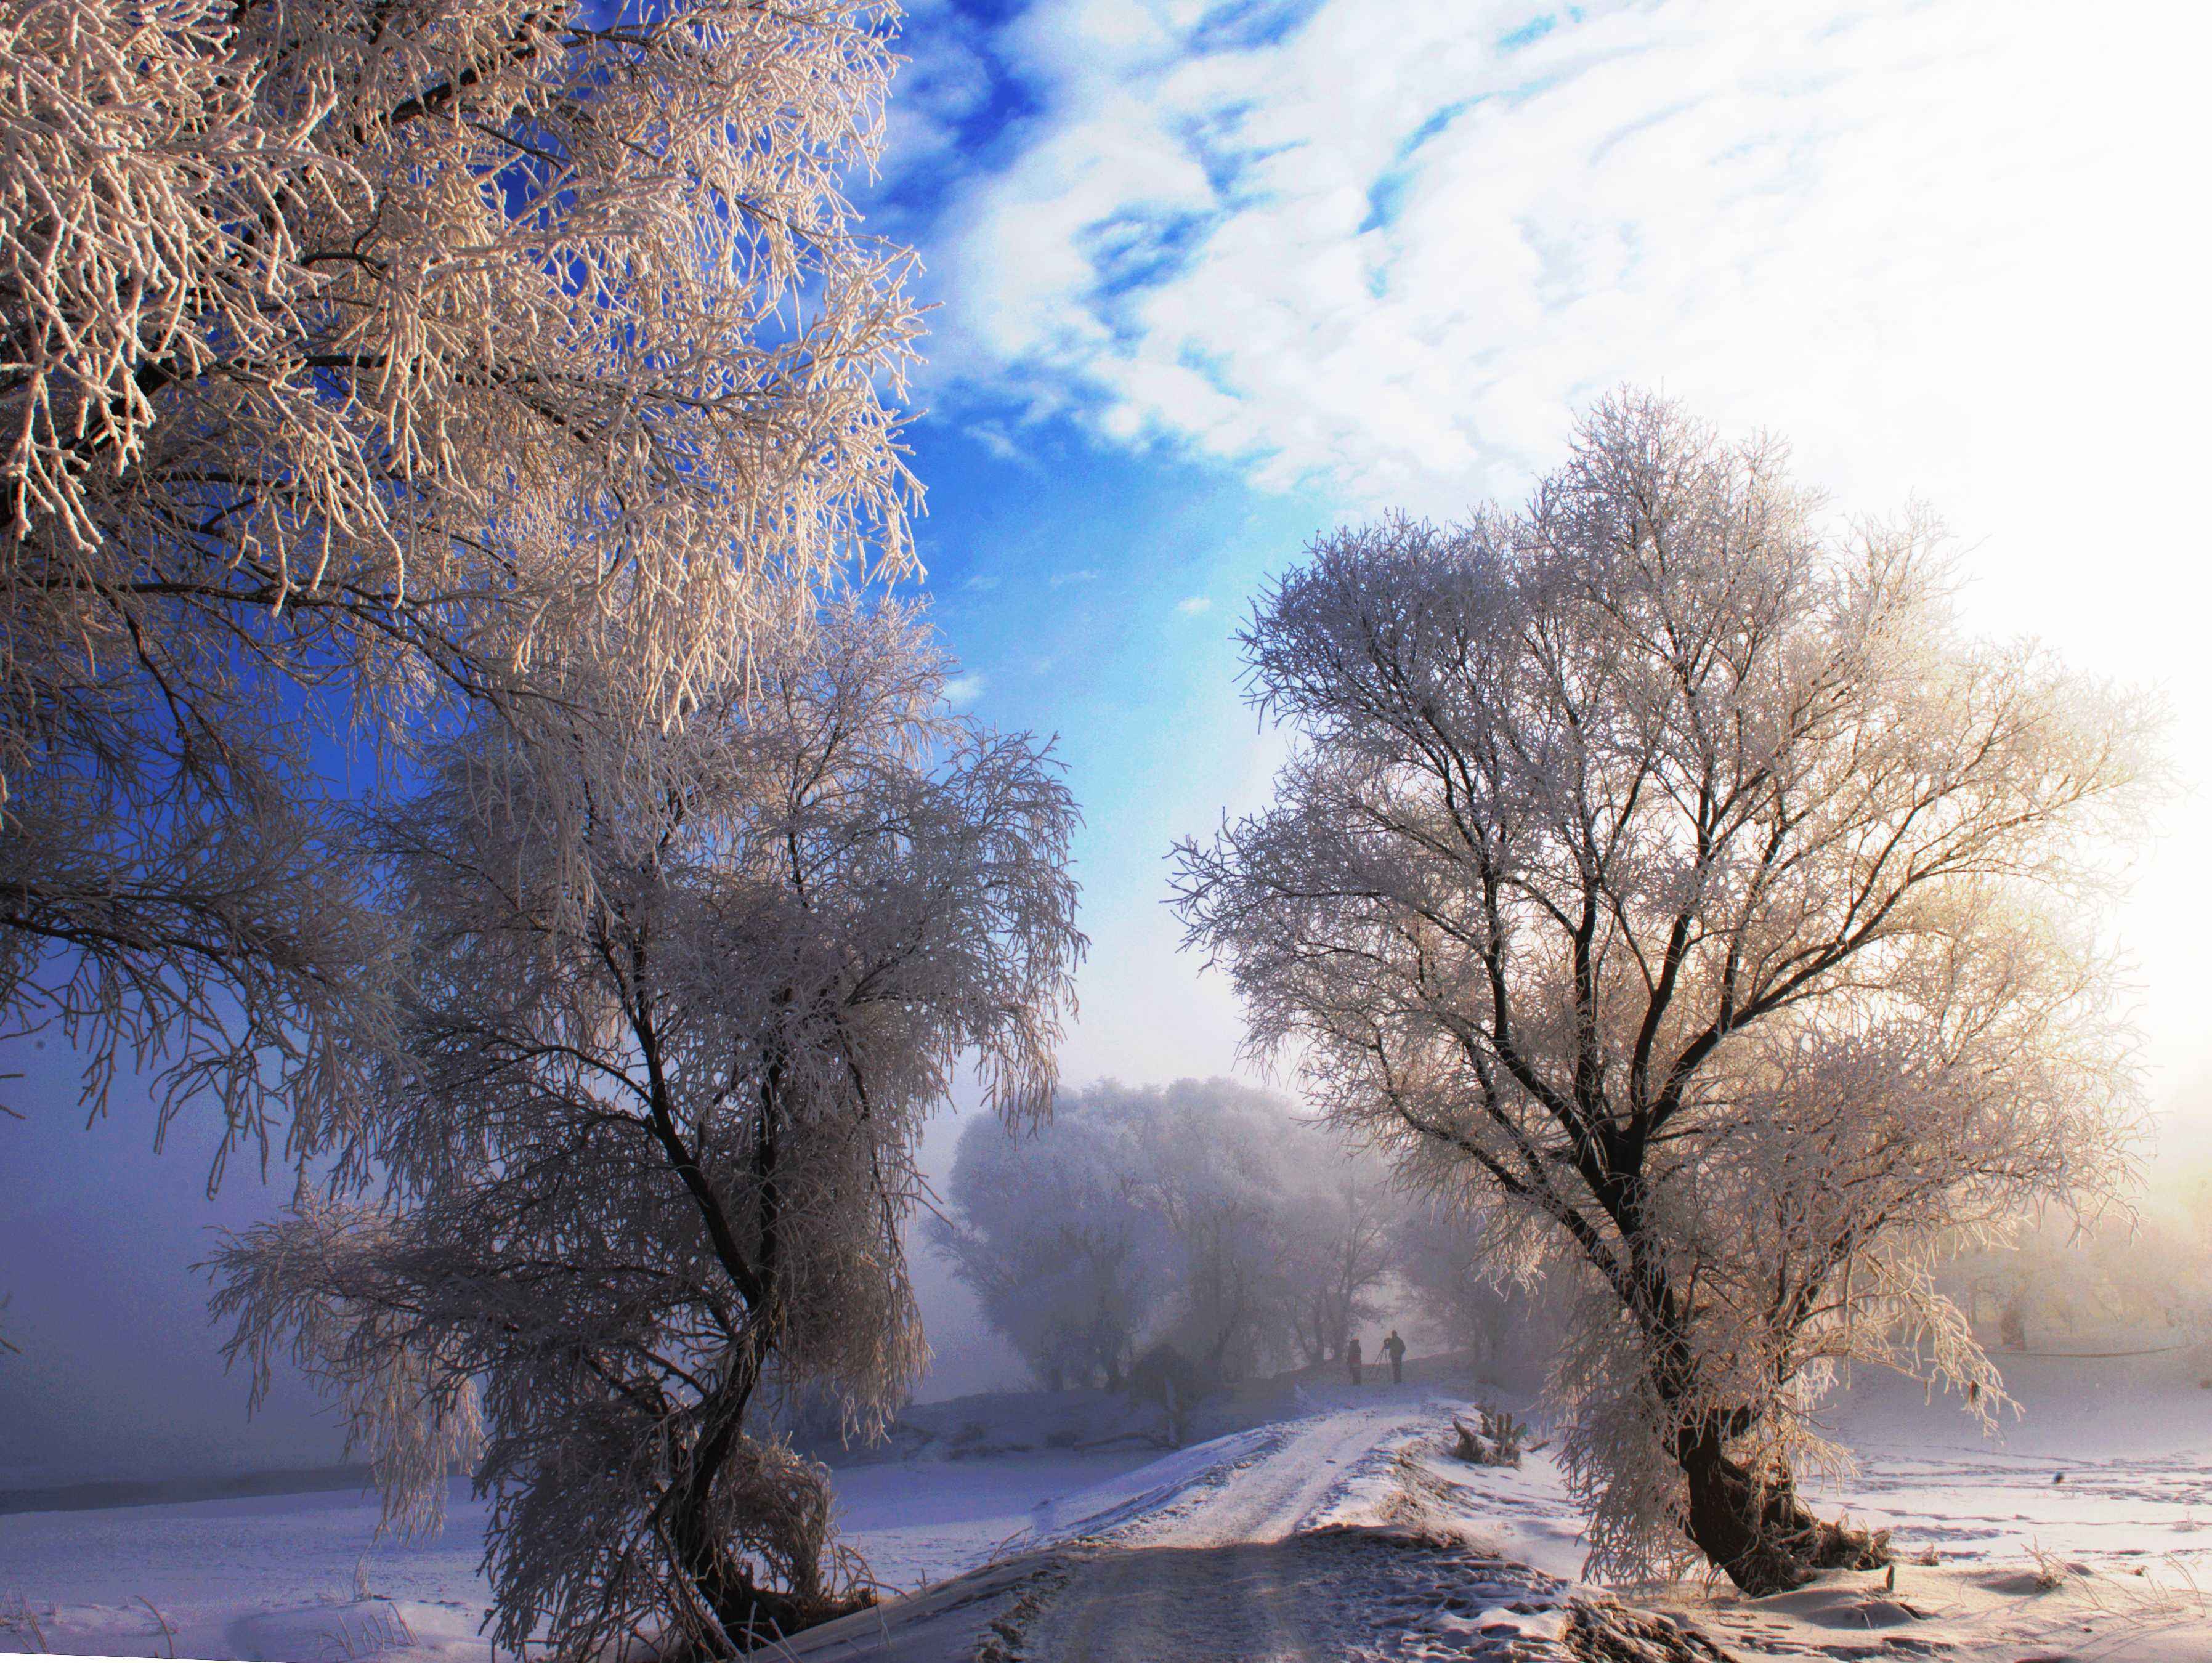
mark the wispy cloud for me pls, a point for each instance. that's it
(945, 84)
(1061, 579)
(1391, 253)
(982, 582)
(962, 691)
(994, 437)
(1191, 605)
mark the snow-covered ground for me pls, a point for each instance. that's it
(1351, 1533)
(283, 1576)
(1336, 1527)
(272, 1576)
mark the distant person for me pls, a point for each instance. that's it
(1395, 1349)
(1351, 1359)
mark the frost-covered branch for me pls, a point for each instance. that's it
(360, 361)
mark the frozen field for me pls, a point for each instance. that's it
(2105, 1491)
(280, 1576)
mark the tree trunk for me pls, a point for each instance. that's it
(748, 1614)
(1758, 1531)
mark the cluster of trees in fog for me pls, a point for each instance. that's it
(1213, 1217)
(2137, 1278)
(500, 399)
(1200, 1214)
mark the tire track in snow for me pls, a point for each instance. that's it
(1220, 1580)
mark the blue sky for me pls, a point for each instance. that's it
(1092, 594)
(1211, 278)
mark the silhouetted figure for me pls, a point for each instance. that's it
(1351, 1360)
(1395, 1349)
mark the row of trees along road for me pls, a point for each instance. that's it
(1660, 878)
(494, 396)
(1200, 1214)
(1664, 879)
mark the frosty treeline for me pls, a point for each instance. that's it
(1201, 1215)
(1662, 875)
(2133, 1280)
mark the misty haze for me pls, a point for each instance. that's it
(1099, 831)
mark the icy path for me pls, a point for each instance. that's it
(1330, 1538)
(1221, 1579)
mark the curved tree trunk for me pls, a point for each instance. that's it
(1757, 1531)
(1748, 1523)
(748, 1614)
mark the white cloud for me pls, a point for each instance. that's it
(1191, 605)
(1061, 579)
(1391, 253)
(944, 83)
(961, 691)
(994, 438)
(982, 582)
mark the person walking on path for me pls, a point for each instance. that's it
(1352, 1358)
(1395, 1349)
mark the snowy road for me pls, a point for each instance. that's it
(1343, 1530)
(1348, 1534)
(1331, 1539)
(1223, 1578)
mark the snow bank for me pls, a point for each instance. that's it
(986, 1425)
(1157, 1485)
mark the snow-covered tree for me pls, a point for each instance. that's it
(1342, 1234)
(1509, 1324)
(670, 1030)
(1049, 1236)
(1213, 1173)
(1662, 865)
(358, 355)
